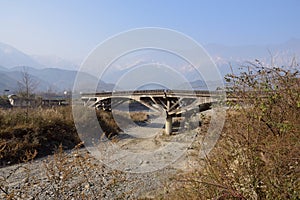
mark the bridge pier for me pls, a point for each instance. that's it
(168, 125)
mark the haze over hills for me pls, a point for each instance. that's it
(47, 79)
(223, 56)
(58, 74)
(281, 54)
(11, 57)
(243, 52)
(55, 61)
(53, 74)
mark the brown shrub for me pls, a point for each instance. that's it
(257, 155)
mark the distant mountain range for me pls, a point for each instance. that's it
(57, 74)
(282, 54)
(55, 61)
(51, 73)
(12, 57)
(47, 79)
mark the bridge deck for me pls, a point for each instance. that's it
(200, 93)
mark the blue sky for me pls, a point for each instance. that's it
(71, 29)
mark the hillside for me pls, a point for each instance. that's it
(11, 57)
(54, 79)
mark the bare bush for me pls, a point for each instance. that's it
(257, 156)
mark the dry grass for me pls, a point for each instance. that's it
(42, 130)
(47, 131)
(139, 116)
(257, 155)
(110, 123)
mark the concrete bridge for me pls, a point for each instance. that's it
(173, 102)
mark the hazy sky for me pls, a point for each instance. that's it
(71, 29)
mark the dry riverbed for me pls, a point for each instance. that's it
(77, 174)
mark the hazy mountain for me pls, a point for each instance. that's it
(11, 57)
(6, 82)
(58, 79)
(10, 80)
(195, 85)
(3, 68)
(281, 54)
(54, 79)
(247, 52)
(55, 61)
(222, 55)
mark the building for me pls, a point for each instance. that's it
(16, 101)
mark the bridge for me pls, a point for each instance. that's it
(173, 102)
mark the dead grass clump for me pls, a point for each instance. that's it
(42, 130)
(139, 116)
(107, 123)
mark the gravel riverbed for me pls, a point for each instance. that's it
(75, 174)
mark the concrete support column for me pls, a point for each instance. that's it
(168, 126)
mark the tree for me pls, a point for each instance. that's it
(26, 88)
(27, 85)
